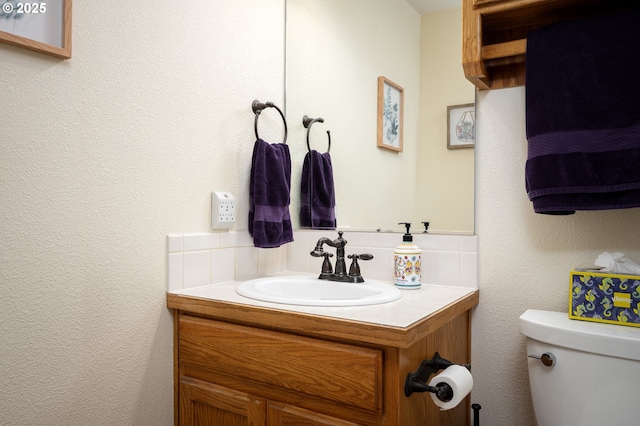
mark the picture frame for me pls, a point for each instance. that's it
(41, 26)
(461, 126)
(390, 114)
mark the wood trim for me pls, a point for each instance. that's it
(285, 414)
(495, 34)
(474, 68)
(320, 326)
(504, 50)
(327, 370)
(222, 400)
(176, 370)
(451, 342)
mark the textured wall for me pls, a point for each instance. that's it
(525, 258)
(103, 155)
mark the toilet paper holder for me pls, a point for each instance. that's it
(417, 381)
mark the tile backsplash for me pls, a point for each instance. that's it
(208, 258)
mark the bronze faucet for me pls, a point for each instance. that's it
(340, 273)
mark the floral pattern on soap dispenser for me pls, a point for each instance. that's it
(407, 270)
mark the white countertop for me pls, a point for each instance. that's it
(413, 306)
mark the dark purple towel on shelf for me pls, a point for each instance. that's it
(583, 114)
(269, 195)
(317, 193)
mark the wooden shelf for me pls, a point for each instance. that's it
(495, 32)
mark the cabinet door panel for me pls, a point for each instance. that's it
(287, 415)
(335, 372)
(205, 404)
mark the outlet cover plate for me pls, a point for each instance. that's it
(223, 210)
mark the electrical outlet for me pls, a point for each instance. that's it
(223, 210)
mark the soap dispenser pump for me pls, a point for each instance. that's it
(406, 259)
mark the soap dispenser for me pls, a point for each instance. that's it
(406, 259)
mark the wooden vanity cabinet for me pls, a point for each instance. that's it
(266, 367)
(494, 34)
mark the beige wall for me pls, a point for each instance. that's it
(525, 258)
(445, 177)
(103, 155)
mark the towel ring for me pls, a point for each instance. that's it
(257, 108)
(307, 122)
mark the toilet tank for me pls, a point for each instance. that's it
(595, 376)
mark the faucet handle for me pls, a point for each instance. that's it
(354, 269)
(365, 256)
(326, 265)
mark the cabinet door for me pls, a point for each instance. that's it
(287, 415)
(206, 404)
(332, 374)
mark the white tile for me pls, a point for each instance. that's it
(469, 243)
(269, 261)
(282, 259)
(385, 239)
(298, 257)
(174, 271)
(174, 243)
(246, 263)
(236, 239)
(440, 242)
(308, 236)
(469, 270)
(244, 238)
(441, 268)
(223, 265)
(196, 268)
(198, 242)
(380, 267)
(349, 249)
(422, 240)
(315, 263)
(447, 259)
(354, 238)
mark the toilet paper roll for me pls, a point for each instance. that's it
(461, 382)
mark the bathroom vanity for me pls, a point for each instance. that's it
(239, 361)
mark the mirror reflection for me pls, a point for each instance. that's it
(336, 51)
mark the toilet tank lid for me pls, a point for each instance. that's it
(556, 328)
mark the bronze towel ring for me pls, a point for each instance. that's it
(257, 108)
(307, 122)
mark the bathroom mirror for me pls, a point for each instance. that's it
(335, 52)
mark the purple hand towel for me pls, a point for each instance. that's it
(269, 195)
(317, 193)
(583, 114)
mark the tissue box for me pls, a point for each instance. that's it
(604, 297)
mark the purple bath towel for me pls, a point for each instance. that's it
(317, 193)
(583, 114)
(269, 195)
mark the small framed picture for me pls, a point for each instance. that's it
(390, 114)
(461, 126)
(40, 26)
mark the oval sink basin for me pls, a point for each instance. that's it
(309, 291)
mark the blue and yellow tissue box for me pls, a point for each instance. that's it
(605, 297)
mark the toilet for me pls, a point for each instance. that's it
(581, 373)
